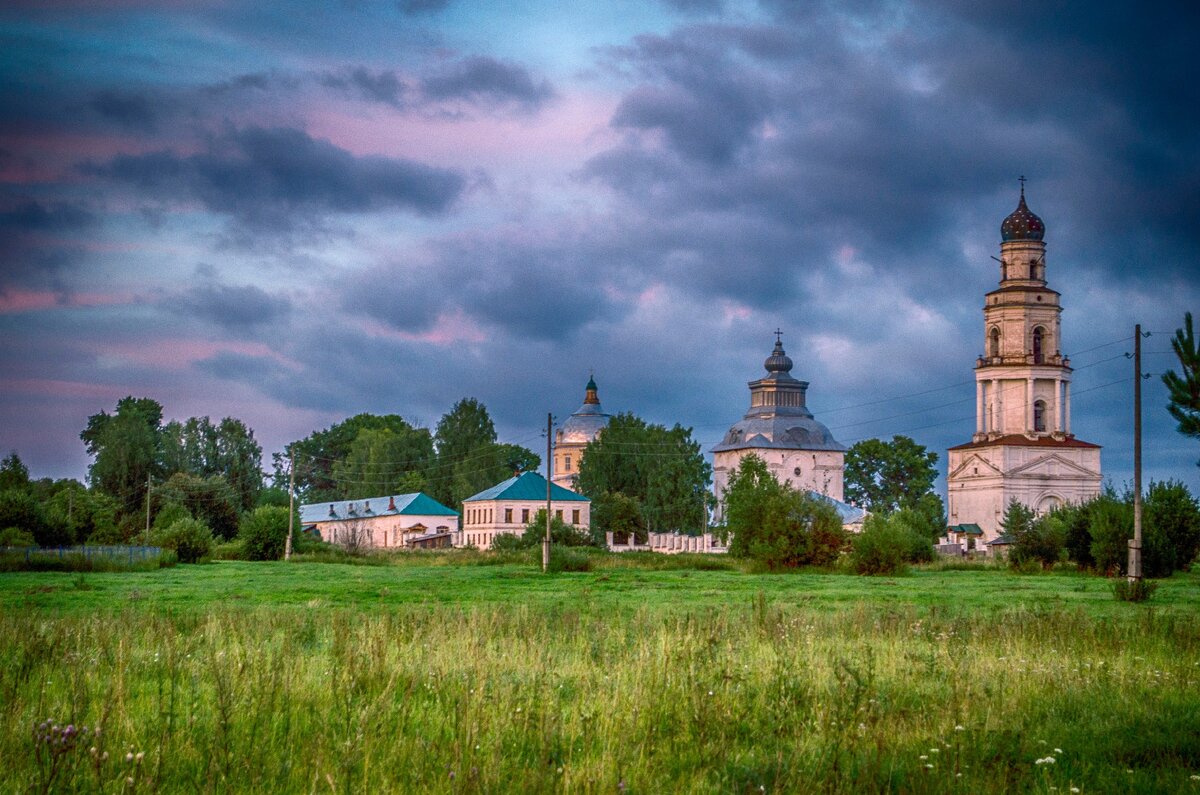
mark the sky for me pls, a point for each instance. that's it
(293, 213)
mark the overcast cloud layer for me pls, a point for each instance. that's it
(291, 216)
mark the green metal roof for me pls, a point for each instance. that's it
(970, 529)
(527, 486)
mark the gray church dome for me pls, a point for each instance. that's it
(778, 417)
(585, 424)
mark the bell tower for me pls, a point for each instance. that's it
(1022, 380)
(1023, 448)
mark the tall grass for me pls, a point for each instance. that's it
(743, 698)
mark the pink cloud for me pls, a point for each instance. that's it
(178, 354)
(13, 300)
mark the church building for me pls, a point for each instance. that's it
(573, 435)
(798, 450)
(1023, 448)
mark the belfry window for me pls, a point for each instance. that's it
(1039, 415)
(994, 351)
(1038, 334)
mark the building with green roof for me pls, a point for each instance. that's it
(509, 506)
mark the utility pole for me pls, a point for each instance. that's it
(287, 544)
(549, 474)
(147, 509)
(1135, 543)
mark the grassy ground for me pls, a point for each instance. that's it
(442, 675)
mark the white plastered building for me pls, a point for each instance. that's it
(1023, 448)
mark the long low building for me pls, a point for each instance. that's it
(509, 506)
(396, 521)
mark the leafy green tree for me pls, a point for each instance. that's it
(79, 513)
(190, 539)
(1111, 520)
(382, 461)
(883, 476)
(776, 525)
(228, 449)
(125, 447)
(487, 466)
(13, 472)
(318, 453)
(1171, 531)
(263, 533)
(211, 500)
(663, 469)
(1042, 540)
(19, 508)
(1184, 387)
(881, 547)
(467, 460)
(619, 514)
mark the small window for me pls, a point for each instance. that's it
(995, 344)
(1038, 335)
(574, 517)
(558, 514)
(1039, 415)
(524, 516)
(567, 464)
(508, 515)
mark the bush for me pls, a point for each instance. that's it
(1136, 591)
(882, 547)
(565, 559)
(263, 532)
(1042, 541)
(777, 525)
(228, 550)
(16, 537)
(189, 539)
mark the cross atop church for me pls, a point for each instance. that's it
(1021, 179)
(778, 336)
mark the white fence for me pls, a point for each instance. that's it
(670, 544)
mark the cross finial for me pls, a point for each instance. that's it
(1021, 179)
(778, 336)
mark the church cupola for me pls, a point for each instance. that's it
(592, 395)
(1022, 224)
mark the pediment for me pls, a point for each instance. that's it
(1052, 466)
(975, 466)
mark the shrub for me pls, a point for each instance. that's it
(263, 532)
(566, 559)
(882, 546)
(190, 539)
(228, 550)
(16, 537)
(1043, 541)
(777, 525)
(1136, 591)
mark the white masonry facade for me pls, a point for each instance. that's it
(1023, 448)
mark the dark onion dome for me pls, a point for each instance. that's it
(778, 361)
(1022, 224)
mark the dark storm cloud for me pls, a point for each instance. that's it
(526, 288)
(37, 242)
(274, 179)
(129, 110)
(383, 86)
(488, 80)
(234, 307)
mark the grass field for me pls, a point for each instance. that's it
(444, 675)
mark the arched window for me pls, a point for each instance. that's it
(994, 350)
(1038, 334)
(1039, 415)
(1037, 269)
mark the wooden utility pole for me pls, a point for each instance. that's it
(147, 509)
(549, 474)
(1135, 543)
(287, 544)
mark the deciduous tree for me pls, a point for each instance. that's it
(125, 447)
(883, 476)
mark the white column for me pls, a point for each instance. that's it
(1029, 403)
(1058, 404)
(1067, 407)
(978, 407)
(997, 420)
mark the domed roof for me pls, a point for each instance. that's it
(586, 423)
(1022, 224)
(778, 361)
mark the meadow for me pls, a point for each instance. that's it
(470, 673)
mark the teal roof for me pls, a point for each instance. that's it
(416, 504)
(970, 529)
(527, 486)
